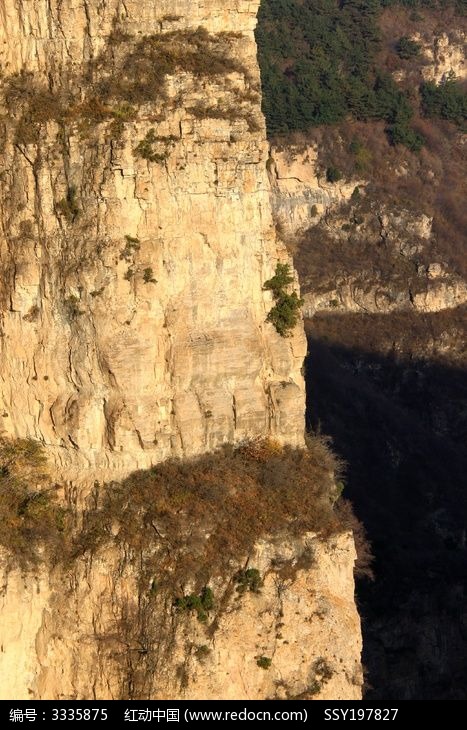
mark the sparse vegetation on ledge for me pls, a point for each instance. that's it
(209, 511)
(33, 525)
(131, 71)
(177, 529)
(212, 509)
(142, 72)
(154, 148)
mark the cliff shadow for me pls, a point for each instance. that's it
(399, 423)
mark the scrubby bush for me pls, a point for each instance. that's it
(333, 174)
(32, 523)
(248, 580)
(280, 280)
(403, 134)
(285, 314)
(406, 48)
(447, 100)
(148, 276)
(201, 604)
(68, 206)
(154, 148)
(322, 672)
(286, 311)
(132, 245)
(202, 652)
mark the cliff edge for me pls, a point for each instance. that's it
(136, 239)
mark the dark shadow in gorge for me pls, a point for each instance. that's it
(407, 482)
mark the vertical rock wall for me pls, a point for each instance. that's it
(135, 238)
(83, 636)
(132, 310)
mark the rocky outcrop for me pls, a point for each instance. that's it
(136, 235)
(78, 635)
(355, 294)
(444, 56)
(388, 277)
(300, 194)
(441, 56)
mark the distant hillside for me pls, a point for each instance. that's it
(366, 109)
(321, 63)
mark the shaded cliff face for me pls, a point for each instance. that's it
(136, 235)
(398, 386)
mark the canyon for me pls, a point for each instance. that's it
(378, 236)
(174, 523)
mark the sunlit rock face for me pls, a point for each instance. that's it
(136, 235)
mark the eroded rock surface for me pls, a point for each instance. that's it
(133, 314)
(82, 635)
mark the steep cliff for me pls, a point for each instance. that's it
(225, 576)
(137, 235)
(136, 239)
(85, 638)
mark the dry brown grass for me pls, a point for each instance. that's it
(431, 183)
(33, 526)
(203, 516)
(130, 72)
(180, 525)
(188, 521)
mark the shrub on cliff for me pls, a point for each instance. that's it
(248, 580)
(201, 604)
(32, 523)
(286, 311)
